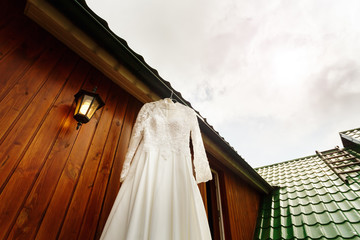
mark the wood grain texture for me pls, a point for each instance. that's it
(114, 182)
(35, 153)
(40, 195)
(96, 198)
(72, 222)
(73, 170)
(49, 171)
(242, 208)
(12, 110)
(15, 59)
(16, 64)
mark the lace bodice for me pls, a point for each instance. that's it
(168, 126)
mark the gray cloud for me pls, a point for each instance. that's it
(278, 79)
(336, 88)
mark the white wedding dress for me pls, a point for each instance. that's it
(159, 198)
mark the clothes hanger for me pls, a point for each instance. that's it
(171, 96)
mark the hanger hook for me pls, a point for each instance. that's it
(172, 92)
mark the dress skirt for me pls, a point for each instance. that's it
(159, 200)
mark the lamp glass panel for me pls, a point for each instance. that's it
(78, 104)
(93, 108)
(85, 104)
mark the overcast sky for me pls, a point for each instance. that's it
(277, 78)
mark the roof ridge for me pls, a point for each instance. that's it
(274, 164)
(349, 130)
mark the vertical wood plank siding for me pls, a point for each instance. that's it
(57, 182)
(241, 203)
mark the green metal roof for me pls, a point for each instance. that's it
(353, 134)
(351, 139)
(310, 201)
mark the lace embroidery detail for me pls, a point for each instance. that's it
(202, 169)
(136, 136)
(168, 126)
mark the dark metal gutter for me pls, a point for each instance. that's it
(83, 17)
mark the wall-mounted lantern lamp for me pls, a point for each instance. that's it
(86, 105)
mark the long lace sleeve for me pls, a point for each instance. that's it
(201, 163)
(135, 139)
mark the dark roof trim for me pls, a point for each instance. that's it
(81, 15)
(343, 135)
(97, 28)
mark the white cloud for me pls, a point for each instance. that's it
(278, 79)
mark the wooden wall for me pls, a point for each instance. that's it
(57, 182)
(240, 203)
(240, 206)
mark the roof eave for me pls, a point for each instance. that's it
(151, 85)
